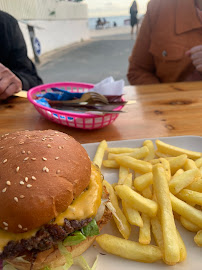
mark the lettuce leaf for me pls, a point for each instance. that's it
(9, 267)
(67, 255)
(81, 261)
(74, 239)
(91, 229)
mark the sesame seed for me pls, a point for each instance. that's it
(58, 171)
(50, 139)
(43, 139)
(26, 158)
(16, 199)
(1, 147)
(8, 183)
(23, 152)
(33, 158)
(6, 134)
(5, 224)
(17, 169)
(6, 228)
(19, 226)
(14, 138)
(60, 147)
(45, 169)
(33, 178)
(52, 134)
(28, 152)
(24, 229)
(56, 132)
(22, 196)
(5, 160)
(29, 186)
(49, 146)
(26, 179)
(4, 190)
(21, 142)
(44, 158)
(22, 183)
(56, 158)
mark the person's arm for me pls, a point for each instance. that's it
(20, 64)
(141, 64)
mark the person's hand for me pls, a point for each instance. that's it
(9, 83)
(195, 54)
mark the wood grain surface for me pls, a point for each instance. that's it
(161, 110)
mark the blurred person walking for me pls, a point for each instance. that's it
(133, 17)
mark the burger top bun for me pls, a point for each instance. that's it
(41, 172)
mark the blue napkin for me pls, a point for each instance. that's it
(59, 94)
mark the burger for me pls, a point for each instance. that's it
(52, 199)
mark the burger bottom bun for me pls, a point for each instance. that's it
(53, 257)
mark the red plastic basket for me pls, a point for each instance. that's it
(70, 119)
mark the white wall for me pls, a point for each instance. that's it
(56, 34)
(62, 22)
(41, 9)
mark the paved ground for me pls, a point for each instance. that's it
(89, 61)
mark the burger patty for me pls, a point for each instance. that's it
(45, 238)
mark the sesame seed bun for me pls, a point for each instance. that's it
(41, 172)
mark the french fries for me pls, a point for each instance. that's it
(145, 232)
(98, 158)
(119, 218)
(183, 180)
(139, 166)
(123, 173)
(170, 238)
(150, 147)
(137, 201)
(187, 211)
(132, 215)
(198, 238)
(129, 249)
(176, 151)
(143, 181)
(190, 196)
(167, 186)
(189, 225)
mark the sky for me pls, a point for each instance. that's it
(104, 8)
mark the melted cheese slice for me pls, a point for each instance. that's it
(87, 203)
(84, 206)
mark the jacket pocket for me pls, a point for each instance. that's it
(164, 51)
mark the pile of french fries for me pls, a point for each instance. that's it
(157, 184)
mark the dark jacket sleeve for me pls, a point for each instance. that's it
(18, 62)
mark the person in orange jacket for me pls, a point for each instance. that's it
(169, 44)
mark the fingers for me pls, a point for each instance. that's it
(195, 49)
(195, 54)
(9, 83)
(10, 90)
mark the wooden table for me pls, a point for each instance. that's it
(161, 110)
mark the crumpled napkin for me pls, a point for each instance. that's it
(109, 87)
